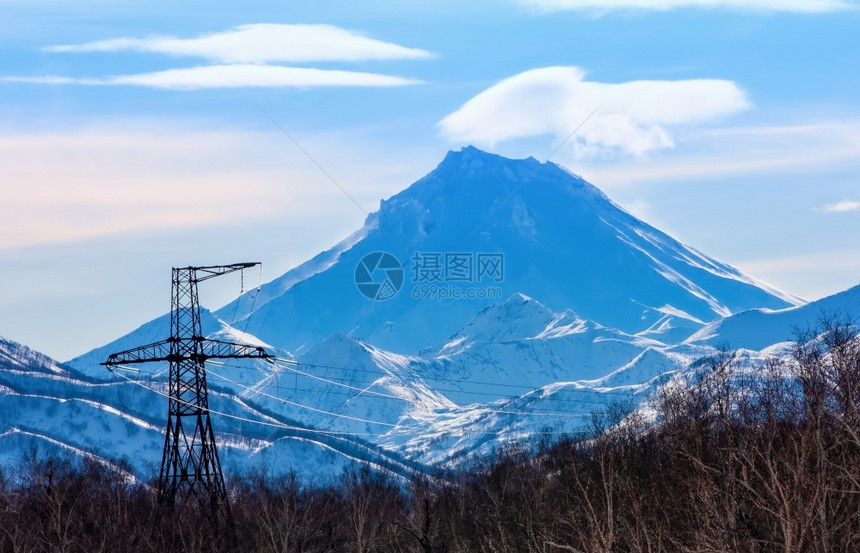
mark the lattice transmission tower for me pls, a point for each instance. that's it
(190, 466)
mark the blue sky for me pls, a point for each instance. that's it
(138, 137)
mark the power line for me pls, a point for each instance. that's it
(244, 419)
(469, 392)
(346, 433)
(486, 409)
(440, 378)
(471, 382)
(483, 410)
(300, 405)
(337, 433)
(360, 390)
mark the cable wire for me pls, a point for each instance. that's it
(286, 365)
(483, 410)
(334, 433)
(243, 419)
(524, 397)
(300, 405)
(440, 378)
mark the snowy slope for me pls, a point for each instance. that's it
(562, 239)
(522, 345)
(55, 408)
(757, 329)
(516, 369)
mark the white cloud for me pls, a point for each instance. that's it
(232, 76)
(260, 43)
(127, 178)
(734, 151)
(634, 116)
(797, 6)
(841, 207)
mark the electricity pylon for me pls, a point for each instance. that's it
(190, 466)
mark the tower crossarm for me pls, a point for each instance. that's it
(209, 349)
(158, 351)
(218, 349)
(205, 273)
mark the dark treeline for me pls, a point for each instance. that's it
(759, 460)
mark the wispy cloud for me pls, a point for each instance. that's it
(733, 151)
(231, 76)
(132, 177)
(245, 56)
(833, 260)
(796, 6)
(261, 43)
(840, 207)
(633, 117)
(811, 275)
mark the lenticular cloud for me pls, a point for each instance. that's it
(634, 117)
(261, 43)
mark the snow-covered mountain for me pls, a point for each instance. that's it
(592, 306)
(564, 243)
